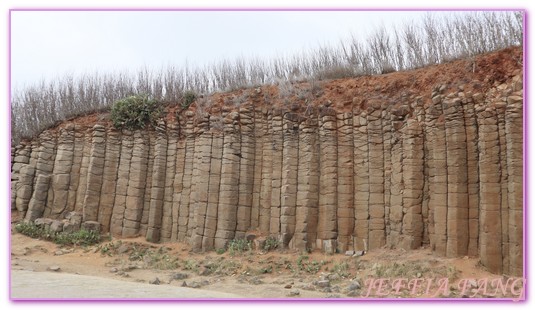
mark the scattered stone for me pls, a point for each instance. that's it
(255, 281)
(56, 226)
(250, 237)
(353, 286)
(293, 293)
(58, 253)
(43, 222)
(74, 218)
(350, 253)
(123, 249)
(288, 286)
(155, 281)
(91, 226)
(358, 253)
(333, 277)
(205, 271)
(308, 287)
(54, 268)
(329, 246)
(70, 228)
(179, 276)
(194, 284)
(114, 270)
(323, 283)
(259, 243)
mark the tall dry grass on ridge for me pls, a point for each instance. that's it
(433, 40)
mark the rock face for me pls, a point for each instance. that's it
(442, 170)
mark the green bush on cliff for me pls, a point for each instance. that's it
(135, 112)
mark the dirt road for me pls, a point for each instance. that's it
(53, 286)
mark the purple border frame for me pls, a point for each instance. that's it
(525, 46)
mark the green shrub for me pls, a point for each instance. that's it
(304, 264)
(30, 229)
(342, 269)
(188, 99)
(135, 112)
(271, 243)
(239, 246)
(81, 237)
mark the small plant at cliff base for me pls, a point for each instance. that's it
(271, 244)
(312, 267)
(341, 269)
(239, 246)
(191, 264)
(30, 229)
(188, 99)
(137, 253)
(82, 237)
(135, 112)
(161, 260)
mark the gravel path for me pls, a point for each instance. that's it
(50, 285)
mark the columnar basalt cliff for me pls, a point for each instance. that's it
(401, 165)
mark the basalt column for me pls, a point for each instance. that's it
(184, 204)
(456, 160)
(396, 178)
(290, 155)
(413, 182)
(230, 173)
(135, 194)
(109, 179)
(345, 212)
(327, 220)
(361, 180)
(94, 174)
(514, 142)
(470, 122)
(121, 186)
(490, 235)
(376, 177)
(83, 145)
(264, 215)
(159, 169)
(170, 174)
(306, 213)
(178, 183)
(438, 175)
(214, 185)
(24, 182)
(61, 176)
(200, 179)
(259, 131)
(43, 168)
(247, 165)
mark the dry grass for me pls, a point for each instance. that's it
(432, 41)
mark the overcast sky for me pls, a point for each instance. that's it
(48, 44)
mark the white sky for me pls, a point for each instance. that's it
(48, 44)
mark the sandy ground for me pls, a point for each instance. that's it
(134, 268)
